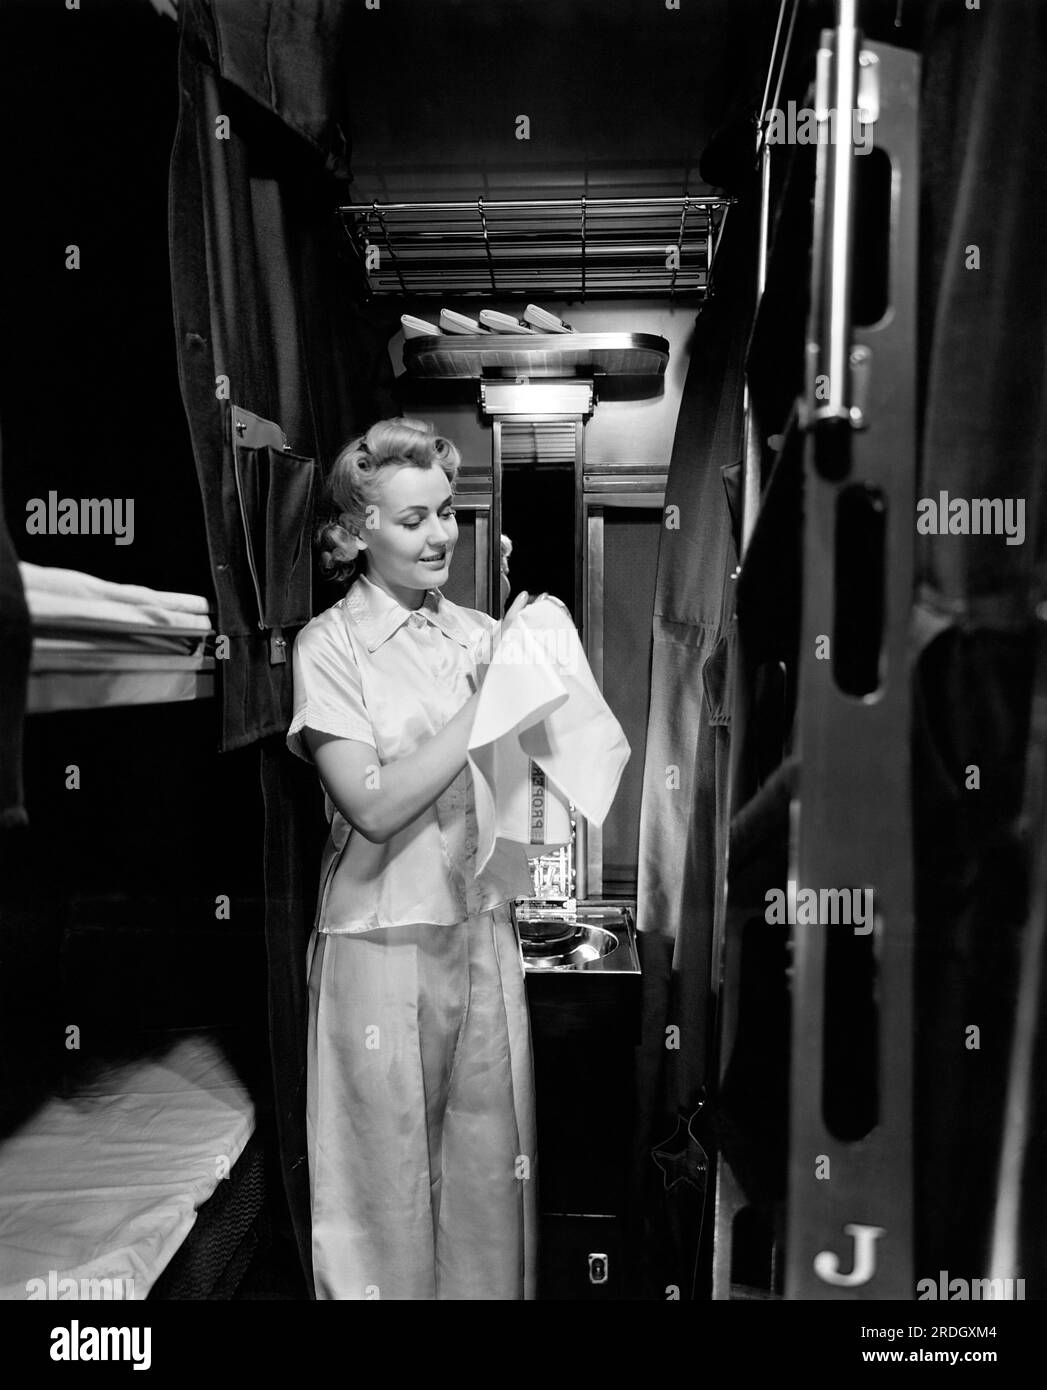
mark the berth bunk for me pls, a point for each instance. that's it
(142, 1181)
(141, 1172)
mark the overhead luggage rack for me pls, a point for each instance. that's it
(558, 248)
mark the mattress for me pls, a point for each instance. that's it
(99, 1189)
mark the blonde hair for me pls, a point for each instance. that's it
(352, 486)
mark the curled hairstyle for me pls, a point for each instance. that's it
(353, 484)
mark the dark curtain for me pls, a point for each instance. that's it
(683, 824)
(259, 302)
(264, 321)
(983, 356)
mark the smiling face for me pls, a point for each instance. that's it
(410, 549)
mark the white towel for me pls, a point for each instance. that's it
(50, 579)
(539, 702)
(56, 595)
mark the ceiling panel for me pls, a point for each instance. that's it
(620, 95)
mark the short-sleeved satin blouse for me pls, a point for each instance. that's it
(371, 670)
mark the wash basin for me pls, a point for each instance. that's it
(575, 937)
(565, 944)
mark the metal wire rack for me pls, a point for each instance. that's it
(560, 248)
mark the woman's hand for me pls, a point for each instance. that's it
(489, 645)
(522, 599)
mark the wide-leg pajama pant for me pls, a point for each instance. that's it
(420, 1113)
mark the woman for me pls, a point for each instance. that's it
(420, 1111)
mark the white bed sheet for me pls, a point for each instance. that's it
(106, 1184)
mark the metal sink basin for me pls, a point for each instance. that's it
(577, 943)
(585, 937)
(582, 969)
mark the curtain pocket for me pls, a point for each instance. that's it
(275, 488)
(716, 682)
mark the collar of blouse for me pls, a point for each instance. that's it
(379, 615)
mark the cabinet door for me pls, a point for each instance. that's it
(581, 1259)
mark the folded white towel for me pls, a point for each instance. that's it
(418, 328)
(48, 579)
(452, 322)
(540, 704)
(56, 609)
(503, 323)
(545, 322)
